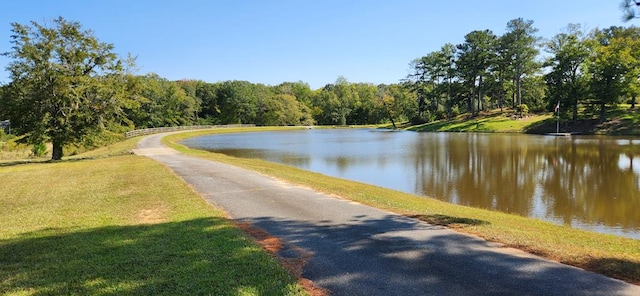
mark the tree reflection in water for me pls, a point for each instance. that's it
(584, 182)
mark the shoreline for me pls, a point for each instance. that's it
(611, 255)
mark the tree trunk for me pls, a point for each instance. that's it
(470, 103)
(449, 102)
(633, 102)
(389, 114)
(479, 92)
(603, 114)
(472, 98)
(57, 151)
(501, 97)
(518, 92)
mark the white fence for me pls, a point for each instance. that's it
(157, 130)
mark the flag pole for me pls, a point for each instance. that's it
(558, 121)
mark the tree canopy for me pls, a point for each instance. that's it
(597, 70)
(65, 83)
(629, 9)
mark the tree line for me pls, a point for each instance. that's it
(154, 101)
(594, 70)
(69, 88)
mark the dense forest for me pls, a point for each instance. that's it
(167, 103)
(578, 72)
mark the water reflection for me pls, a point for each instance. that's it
(585, 182)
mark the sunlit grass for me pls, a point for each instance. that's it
(122, 225)
(11, 151)
(607, 254)
(119, 148)
(497, 123)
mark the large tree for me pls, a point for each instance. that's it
(565, 80)
(520, 45)
(163, 103)
(614, 56)
(237, 102)
(65, 83)
(475, 57)
(431, 79)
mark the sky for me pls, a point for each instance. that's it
(314, 41)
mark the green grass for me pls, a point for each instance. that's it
(494, 123)
(621, 121)
(606, 254)
(122, 225)
(100, 224)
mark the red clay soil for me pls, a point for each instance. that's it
(293, 265)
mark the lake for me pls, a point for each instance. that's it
(586, 182)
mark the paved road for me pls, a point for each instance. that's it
(359, 250)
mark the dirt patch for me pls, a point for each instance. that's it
(151, 216)
(293, 263)
(268, 242)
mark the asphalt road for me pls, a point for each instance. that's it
(359, 250)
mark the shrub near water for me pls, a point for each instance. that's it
(122, 225)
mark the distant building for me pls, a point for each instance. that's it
(4, 125)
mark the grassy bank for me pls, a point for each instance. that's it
(606, 254)
(122, 225)
(493, 122)
(621, 120)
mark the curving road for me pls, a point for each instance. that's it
(359, 250)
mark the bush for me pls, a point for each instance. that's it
(523, 110)
(441, 114)
(454, 112)
(417, 119)
(39, 150)
(93, 141)
(4, 137)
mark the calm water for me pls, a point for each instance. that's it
(591, 183)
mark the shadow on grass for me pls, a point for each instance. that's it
(49, 161)
(431, 127)
(195, 257)
(449, 221)
(614, 266)
(9, 163)
(472, 125)
(590, 126)
(620, 127)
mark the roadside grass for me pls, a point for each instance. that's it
(116, 149)
(610, 255)
(123, 225)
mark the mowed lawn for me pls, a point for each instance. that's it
(122, 225)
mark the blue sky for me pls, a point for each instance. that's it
(286, 40)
